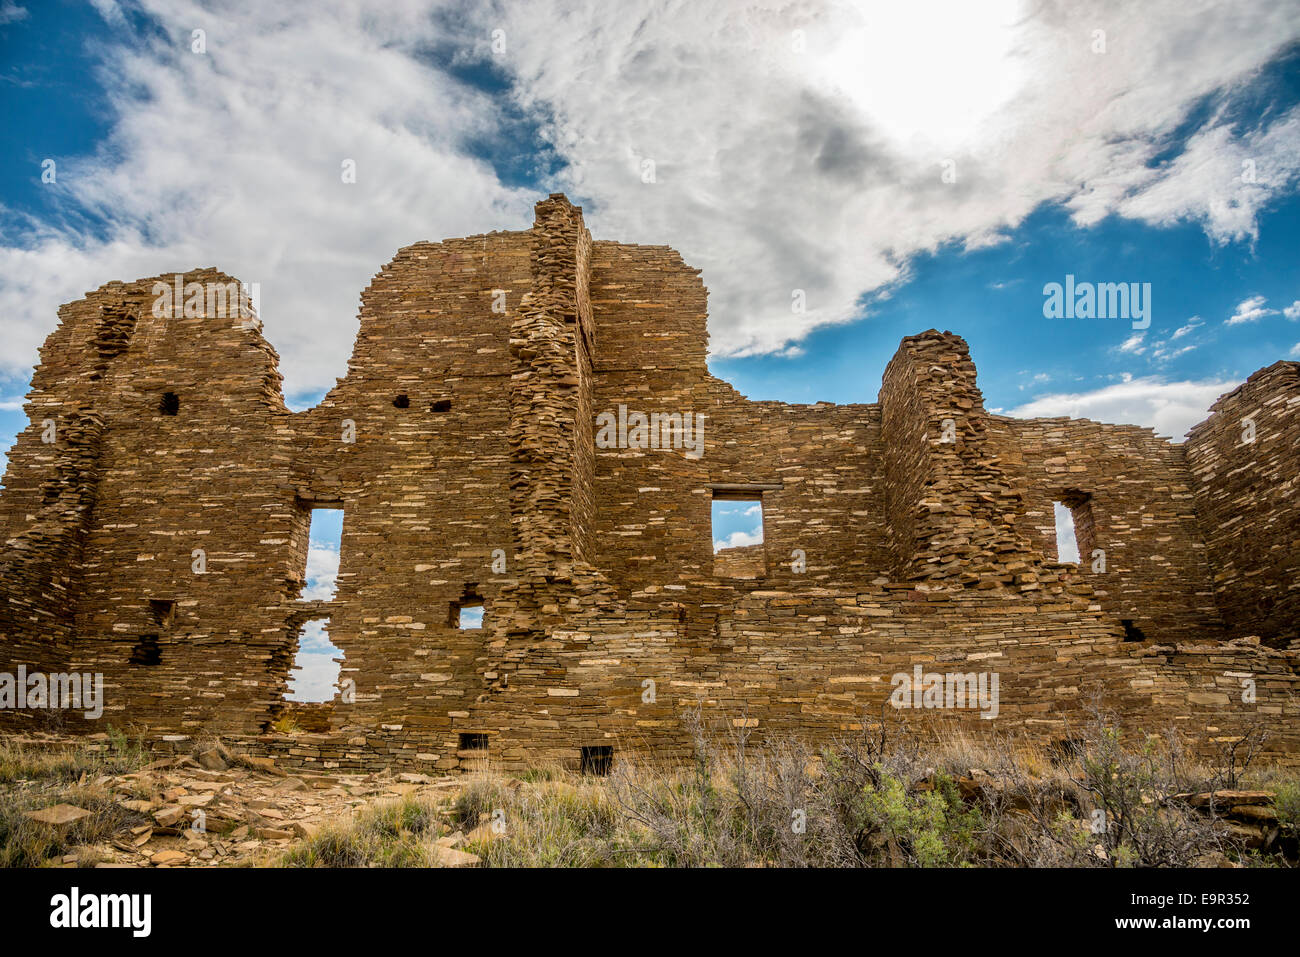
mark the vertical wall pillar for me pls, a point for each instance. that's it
(950, 505)
(550, 399)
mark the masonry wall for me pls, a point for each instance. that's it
(174, 519)
(461, 447)
(1245, 474)
(1132, 491)
(423, 487)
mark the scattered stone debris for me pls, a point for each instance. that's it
(1252, 818)
(248, 812)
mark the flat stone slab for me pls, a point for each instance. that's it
(59, 815)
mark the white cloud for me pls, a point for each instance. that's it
(110, 10)
(1133, 344)
(313, 677)
(1249, 310)
(1163, 350)
(233, 158)
(775, 169)
(314, 671)
(1295, 350)
(1171, 408)
(739, 540)
(1162, 353)
(322, 573)
(1292, 311)
(1205, 182)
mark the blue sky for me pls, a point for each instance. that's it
(793, 147)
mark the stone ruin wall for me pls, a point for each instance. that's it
(473, 432)
(1246, 495)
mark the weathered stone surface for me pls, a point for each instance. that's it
(915, 530)
(450, 857)
(169, 858)
(58, 815)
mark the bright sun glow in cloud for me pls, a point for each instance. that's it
(920, 85)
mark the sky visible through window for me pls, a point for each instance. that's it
(314, 670)
(1067, 547)
(737, 523)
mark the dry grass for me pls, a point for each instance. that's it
(882, 798)
(31, 779)
(392, 834)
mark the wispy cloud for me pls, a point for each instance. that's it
(1133, 344)
(322, 573)
(1250, 310)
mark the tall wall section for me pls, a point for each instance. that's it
(173, 417)
(1245, 465)
(413, 446)
(1140, 543)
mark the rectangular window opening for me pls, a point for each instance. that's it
(738, 550)
(1075, 530)
(324, 546)
(169, 404)
(467, 615)
(317, 664)
(473, 741)
(1067, 544)
(597, 759)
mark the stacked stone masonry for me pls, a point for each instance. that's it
(463, 449)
